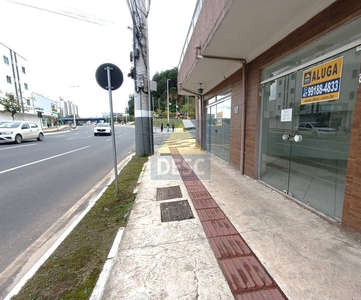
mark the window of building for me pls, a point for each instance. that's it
(27, 101)
(6, 60)
(26, 86)
(8, 79)
(218, 125)
(23, 69)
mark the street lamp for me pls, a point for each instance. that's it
(168, 100)
(176, 108)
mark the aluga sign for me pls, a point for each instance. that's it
(322, 83)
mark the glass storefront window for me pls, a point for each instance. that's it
(218, 125)
(334, 40)
(313, 170)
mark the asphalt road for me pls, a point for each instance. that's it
(42, 181)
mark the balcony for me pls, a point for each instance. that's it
(224, 33)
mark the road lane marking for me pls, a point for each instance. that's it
(21, 146)
(41, 160)
(55, 235)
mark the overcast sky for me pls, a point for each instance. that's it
(63, 52)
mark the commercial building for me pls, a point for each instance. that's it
(279, 96)
(45, 107)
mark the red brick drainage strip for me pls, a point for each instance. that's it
(246, 276)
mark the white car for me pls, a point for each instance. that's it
(315, 129)
(18, 131)
(103, 129)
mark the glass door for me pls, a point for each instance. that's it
(318, 116)
(278, 101)
(218, 128)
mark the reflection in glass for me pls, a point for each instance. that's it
(313, 170)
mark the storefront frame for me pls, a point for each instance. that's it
(338, 205)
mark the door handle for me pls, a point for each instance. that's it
(296, 138)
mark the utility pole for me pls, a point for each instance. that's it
(140, 73)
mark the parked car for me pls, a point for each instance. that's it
(103, 129)
(314, 129)
(18, 131)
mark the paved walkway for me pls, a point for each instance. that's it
(303, 255)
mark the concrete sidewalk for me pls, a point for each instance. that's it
(307, 256)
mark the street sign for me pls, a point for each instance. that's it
(110, 77)
(116, 76)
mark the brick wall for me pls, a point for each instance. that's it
(351, 215)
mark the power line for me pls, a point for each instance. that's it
(65, 14)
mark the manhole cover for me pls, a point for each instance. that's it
(175, 211)
(169, 193)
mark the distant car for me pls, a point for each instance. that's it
(102, 129)
(18, 131)
(314, 129)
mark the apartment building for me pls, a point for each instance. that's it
(68, 108)
(36, 107)
(13, 76)
(279, 96)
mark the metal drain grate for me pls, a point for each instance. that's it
(175, 211)
(169, 193)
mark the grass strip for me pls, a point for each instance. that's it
(177, 123)
(72, 271)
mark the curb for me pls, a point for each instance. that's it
(104, 276)
(99, 288)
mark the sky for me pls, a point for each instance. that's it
(63, 53)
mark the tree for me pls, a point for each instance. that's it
(54, 120)
(161, 93)
(160, 96)
(189, 107)
(10, 104)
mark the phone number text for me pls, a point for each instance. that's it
(331, 86)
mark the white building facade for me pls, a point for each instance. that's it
(13, 76)
(46, 108)
(34, 106)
